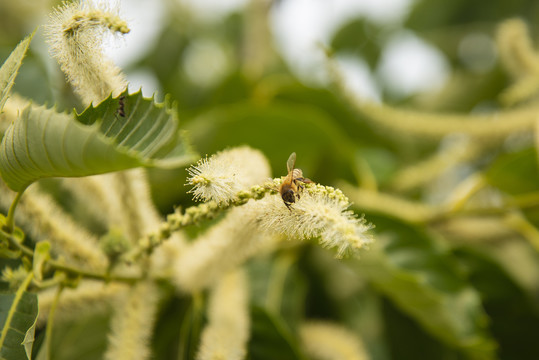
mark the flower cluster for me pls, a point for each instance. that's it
(321, 212)
(227, 331)
(75, 34)
(226, 173)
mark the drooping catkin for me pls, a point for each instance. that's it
(220, 249)
(75, 34)
(227, 332)
(128, 203)
(520, 59)
(327, 341)
(321, 213)
(40, 216)
(221, 176)
(516, 49)
(132, 323)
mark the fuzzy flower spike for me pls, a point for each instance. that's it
(318, 212)
(75, 34)
(322, 213)
(224, 174)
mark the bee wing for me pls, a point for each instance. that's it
(291, 162)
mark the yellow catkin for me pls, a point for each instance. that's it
(40, 216)
(520, 59)
(516, 49)
(227, 331)
(489, 128)
(327, 341)
(128, 203)
(391, 205)
(321, 213)
(132, 323)
(75, 34)
(223, 247)
(224, 174)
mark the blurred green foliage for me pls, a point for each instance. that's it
(421, 291)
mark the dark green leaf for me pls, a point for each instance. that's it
(515, 173)
(277, 130)
(190, 331)
(83, 338)
(277, 284)
(514, 314)
(270, 338)
(427, 15)
(422, 279)
(43, 143)
(17, 320)
(359, 37)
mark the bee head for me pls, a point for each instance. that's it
(289, 196)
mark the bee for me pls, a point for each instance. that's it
(293, 182)
(121, 106)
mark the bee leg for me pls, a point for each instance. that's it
(305, 180)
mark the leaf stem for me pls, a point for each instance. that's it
(50, 323)
(68, 268)
(13, 308)
(10, 220)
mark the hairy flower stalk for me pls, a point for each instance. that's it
(223, 175)
(195, 215)
(75, 33)
(226, 334)
(326, 341)
(132, 324)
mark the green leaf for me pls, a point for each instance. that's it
(277, 129)
(270, 339)
(191, 329)
(359, 37)
(82, 338)
(43, 143)
(277, 285)
(424, 282)
(18, 313)
(514, 313)
(515, 173)
(10, 68)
